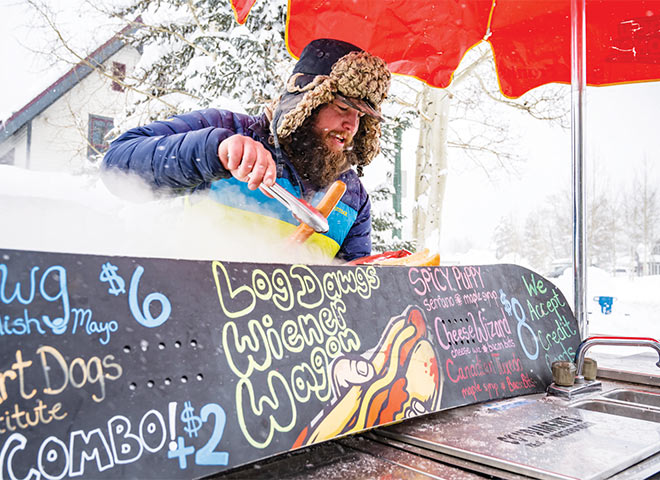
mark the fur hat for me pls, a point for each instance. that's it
(329, 68)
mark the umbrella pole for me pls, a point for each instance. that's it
(578, 108)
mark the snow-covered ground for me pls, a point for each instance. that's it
(53, 211)
(635, 308)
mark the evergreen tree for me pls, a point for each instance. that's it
(388, 220)
(536, 247)
(195, 55)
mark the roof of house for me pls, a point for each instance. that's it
(65, 83)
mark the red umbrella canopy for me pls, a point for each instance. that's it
(530, 39)
(241, 9)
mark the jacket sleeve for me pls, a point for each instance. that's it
(357, 243)
(178, 154)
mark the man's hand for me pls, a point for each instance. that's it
(247, 160)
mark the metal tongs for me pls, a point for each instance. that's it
(300, 209)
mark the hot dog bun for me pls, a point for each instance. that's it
(404, 380)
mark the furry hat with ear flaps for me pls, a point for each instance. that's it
(326, 68)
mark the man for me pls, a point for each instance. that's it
(325, 123)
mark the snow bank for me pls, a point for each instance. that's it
(635, 307)
(60, 212)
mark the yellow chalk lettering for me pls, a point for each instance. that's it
(310, 294)
(43, 351)
(243, 297)
(283, 298)
(262, 286)
(80, 363)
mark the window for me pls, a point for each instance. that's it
(98, 130)
(7, 158)
(119, 74)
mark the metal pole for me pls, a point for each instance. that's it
(578, 108)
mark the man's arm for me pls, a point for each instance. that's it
(190, 151)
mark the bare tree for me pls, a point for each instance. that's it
(548, 231)
(465, 120)
(641, 209)
(431, 164)
(508, 239)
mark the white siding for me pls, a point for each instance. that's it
(59, 133)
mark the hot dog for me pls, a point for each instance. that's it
(325, 207)
(405, 382)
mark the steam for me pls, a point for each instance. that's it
(120, 215)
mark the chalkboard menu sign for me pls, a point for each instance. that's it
(162, 368)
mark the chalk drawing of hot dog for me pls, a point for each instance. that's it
(397, 379)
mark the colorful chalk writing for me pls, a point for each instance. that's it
(142, 314)
(475, 336)
(154, 368)
(116, 284)
(56, 373)
(526, 335)
(563, 330)
(53, 288)
(119, 441)
(53, 276)
(260, 345)
(85, 452)
(443, 279)
(206, 455)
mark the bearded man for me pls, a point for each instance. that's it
(324, 125)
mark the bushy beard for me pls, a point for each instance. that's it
(314, 161)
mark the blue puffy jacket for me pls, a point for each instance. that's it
(179, 155)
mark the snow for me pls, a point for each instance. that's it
(26, 38)
(164, 13)
(77, 213)
(634, 309)
(151, 53)
(61, 212)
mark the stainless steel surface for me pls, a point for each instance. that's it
(619, 409)
(634, 377)
(545, 437)
(351, 459)
(303, 212)
(574, 390)
(647, 469)
(611, 341)
(466, 467)
(634, 396)
(638, 368)
(535, 437)
(410, 460)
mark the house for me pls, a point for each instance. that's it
(66, 124)
(649, 264)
